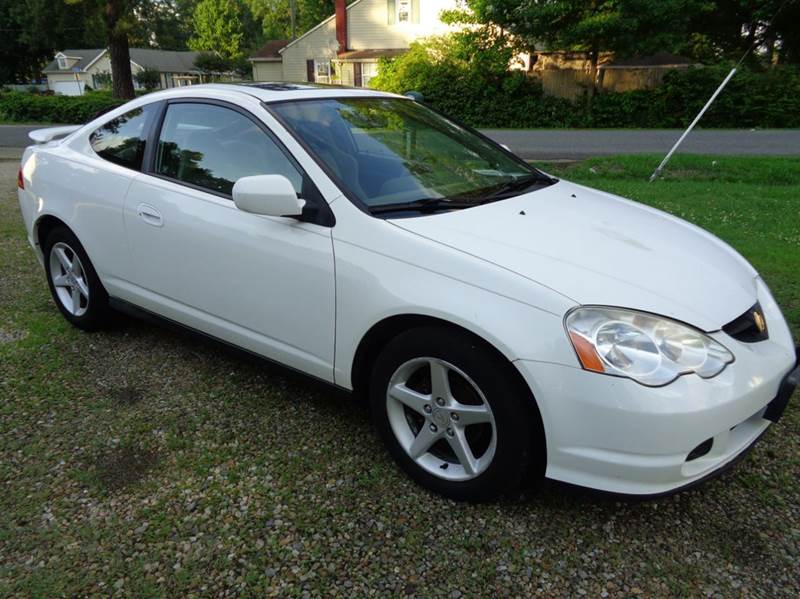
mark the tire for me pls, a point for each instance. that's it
(62, 249)
(504, 436)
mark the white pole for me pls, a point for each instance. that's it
(661, 166)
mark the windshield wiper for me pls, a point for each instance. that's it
(517, 185)
(425, 206)
(507, 189)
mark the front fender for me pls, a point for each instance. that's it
(383, 271)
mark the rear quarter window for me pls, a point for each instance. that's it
(122, 140)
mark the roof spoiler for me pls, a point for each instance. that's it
(42, 136)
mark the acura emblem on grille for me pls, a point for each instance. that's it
(758, 318)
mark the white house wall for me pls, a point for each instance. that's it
(267, 71)
(368, 24)
(103, 66)
(67, 77)
(368, 28)
(318, 44)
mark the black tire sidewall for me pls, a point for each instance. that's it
(97, 313)
(512, 408)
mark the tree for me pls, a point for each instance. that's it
(219, 27)
(164, 24)
(120, 18)
(34, 30)
(625, 27)
(148, 78)
(725, 29)
(118, 15)
(212, 63)
(275, 18)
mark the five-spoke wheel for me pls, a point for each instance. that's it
(69, 279)
(441, 418)
(454, 414)
(73, 282)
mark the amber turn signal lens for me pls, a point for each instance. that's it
(586, 353)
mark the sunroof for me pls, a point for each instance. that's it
(281, 86)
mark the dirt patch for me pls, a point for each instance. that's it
(123, 466)
(127, 396)
(11, 335)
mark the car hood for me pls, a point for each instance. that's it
(596, 248)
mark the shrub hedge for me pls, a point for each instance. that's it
(767, 99)
(481, 97)
(26, 107)
(473, 86)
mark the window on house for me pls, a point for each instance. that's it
(403, 11)
(368, 71)
(62, 62)
(322, 69)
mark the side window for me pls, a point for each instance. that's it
(212, 147)
(122, 140)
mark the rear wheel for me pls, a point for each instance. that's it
(452, 414)
(73, 282)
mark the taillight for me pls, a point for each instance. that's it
(20, 179)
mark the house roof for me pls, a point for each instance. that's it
(270, 50)
(166, 61)
(85, 57)
(377, 53)
(318, 25)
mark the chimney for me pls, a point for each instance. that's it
(341, 26)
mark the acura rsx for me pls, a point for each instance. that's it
(503, 325)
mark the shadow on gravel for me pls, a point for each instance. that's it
(122, 466)
(126, 396)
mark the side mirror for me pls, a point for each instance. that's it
(270, 195)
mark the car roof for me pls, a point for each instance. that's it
(280, 90)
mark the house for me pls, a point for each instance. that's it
(72, 70)
(267, 63)
(345, 47)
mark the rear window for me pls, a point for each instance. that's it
(122, 139)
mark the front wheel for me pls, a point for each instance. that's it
(452, 414)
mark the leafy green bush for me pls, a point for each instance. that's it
(25, 107)
(148, 78)
(765, 99)
(465, 75)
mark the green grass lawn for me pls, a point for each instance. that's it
(141, 462)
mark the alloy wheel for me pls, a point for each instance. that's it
(441, 419)
(69, 279)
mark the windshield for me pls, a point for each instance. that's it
(393, 154)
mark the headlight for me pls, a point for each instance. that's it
(649, 349)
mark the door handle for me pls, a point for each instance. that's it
(150, 215)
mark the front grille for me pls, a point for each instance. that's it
(750, 327)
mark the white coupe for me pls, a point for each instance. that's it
(504, 325)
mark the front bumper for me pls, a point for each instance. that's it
(612, 434)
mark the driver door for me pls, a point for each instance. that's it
(259, 282)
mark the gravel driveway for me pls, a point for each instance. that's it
(143, 462)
